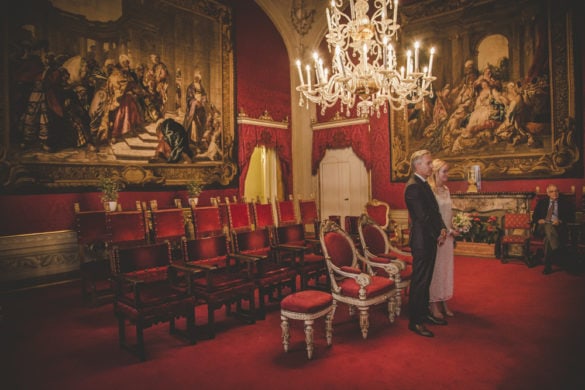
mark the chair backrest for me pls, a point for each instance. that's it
(251, 241)
(372, 237)
(207, 221)
(291, 234)
(263, 215)
(140, 258)
(337, 245)
(168, 224)
(126, 226)
(308, 210)
(310, 215)
(91, 227)
(239, 216)
(517, 221)
(379, 211)
(286, 212)
(210, 250)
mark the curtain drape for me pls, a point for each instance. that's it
(355, 136)
(251, 136)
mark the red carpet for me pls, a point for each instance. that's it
(514, 329)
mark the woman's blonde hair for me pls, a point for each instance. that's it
(436, 165)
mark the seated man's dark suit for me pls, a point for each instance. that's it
(554, 231)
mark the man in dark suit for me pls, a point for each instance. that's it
(426, 232)
(550, 219)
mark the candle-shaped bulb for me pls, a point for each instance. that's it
(300, 72)
(431, 61)
(416, 46)
(308, 69)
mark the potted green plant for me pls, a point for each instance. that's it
(194, 189)
(109, 189)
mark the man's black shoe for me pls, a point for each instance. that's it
(430, 319)
(547, 271)
(420, 329)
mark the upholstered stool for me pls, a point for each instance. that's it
(307, 305)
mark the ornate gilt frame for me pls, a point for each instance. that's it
(153, 26)
(563, 155)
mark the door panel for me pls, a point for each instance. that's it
(344, 184)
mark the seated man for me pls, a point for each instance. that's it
(550, 219)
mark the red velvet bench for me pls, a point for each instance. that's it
(307, 305)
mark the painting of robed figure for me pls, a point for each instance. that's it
(497, 102)
(109, 90)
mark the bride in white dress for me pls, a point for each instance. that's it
(441, 289)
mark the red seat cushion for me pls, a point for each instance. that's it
(308, 301)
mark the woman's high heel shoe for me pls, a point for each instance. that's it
(446, 310)
(435, 312)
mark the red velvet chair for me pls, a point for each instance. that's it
(286, 212)
(223, 279)
(126, 227)
(379, 211)
(169, 224)
(378, 249)
(516, 233)
(309, 262)
(353, 281)
(94, 263)
(310, 217)
(239, 217)
(263, 215)
(207, 222)
(272, 270)
(150, 289)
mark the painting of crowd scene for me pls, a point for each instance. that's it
(127, 98)
(503, 102)
(486, 112)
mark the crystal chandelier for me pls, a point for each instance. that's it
(363, 63)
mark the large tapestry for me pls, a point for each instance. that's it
(504, 98)
(139, 91)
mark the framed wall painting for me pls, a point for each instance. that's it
(504, 97)
(139, 91)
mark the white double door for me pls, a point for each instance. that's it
(344, 184)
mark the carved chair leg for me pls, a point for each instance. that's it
(398, 301)
(309, 338)
(285, 332)
(140, 350)
(392, 308)
(191, 334)
(329, 324)
(364, 321)
(211, 320)
(121, 331)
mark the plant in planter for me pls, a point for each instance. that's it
(194, 189)
(109, 189)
